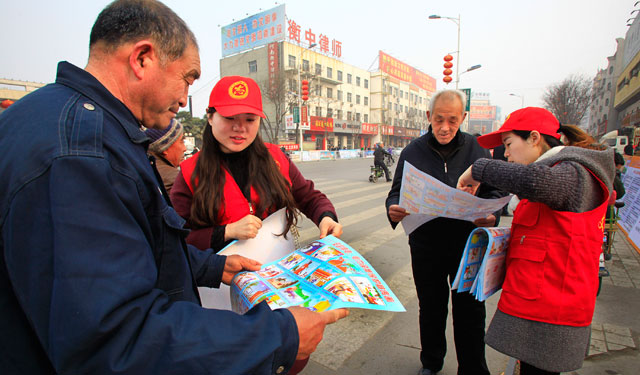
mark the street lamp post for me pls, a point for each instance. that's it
(521, 99)
(457, 22)
(302, 50)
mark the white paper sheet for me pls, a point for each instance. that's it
(426, 198)
(265, 247)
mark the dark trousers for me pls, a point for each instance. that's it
(384, 168)
(527, 369)
(434, 266)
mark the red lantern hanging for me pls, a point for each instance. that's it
(305, 90)
(6, 103)
(447, 72)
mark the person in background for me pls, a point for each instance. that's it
(548, 296)
(378, 159)
(167, 147)
(95, 276)
(444, 152)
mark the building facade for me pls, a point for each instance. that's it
(603, 116)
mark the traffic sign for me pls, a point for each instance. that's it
(296, 114)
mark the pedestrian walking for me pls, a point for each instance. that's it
(95, 276)
(445, 153)
(548, 296)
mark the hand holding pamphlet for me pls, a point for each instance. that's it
(324, 275)
(483, 264)
(427, 198)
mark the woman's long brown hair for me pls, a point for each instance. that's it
(265, 177)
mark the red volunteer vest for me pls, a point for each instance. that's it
(552, 264)
(236, 205)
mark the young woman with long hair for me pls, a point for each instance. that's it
(548, 296)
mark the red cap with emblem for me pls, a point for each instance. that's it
(530, 118)
(234, 95)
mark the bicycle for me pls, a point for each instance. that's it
(610, 229)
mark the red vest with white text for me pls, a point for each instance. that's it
(236, 205)
(552, 264)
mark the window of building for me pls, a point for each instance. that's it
(357, 117)
(366, 85)
(340, 75)
(357, 99)
(606, 102)
(329, 112)
(305, 65)
(348, 115)
(349, 97)
(329, 92)
(292, 61)
(366, 118)
(253, 66)
(611, 70)
(349, 78)
(339, 114)
(329, 72)
(401, 94)
(339, 95)
(389, 106)
(318, 69)
(406, 95)
(318, 90)
(357, 81)
(366, 101)
(293, 85)
(395, 107)
(395, 91)
(319, 111)
(609, 86)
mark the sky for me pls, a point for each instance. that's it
(523, 45)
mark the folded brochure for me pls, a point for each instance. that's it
(324, 275)
(483, 264)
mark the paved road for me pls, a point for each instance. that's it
(374, 342)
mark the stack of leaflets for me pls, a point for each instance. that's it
(483, 264)
(324, 275)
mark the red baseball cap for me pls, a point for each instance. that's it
(530, 118)
(233, 95)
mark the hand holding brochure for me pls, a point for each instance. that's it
(427, 198)
(324, 275)
(483, 264)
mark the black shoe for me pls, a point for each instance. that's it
(389, 180)
(426, 371)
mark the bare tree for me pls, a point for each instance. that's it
(569, 99)
(283, 102)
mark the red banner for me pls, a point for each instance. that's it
(406, 73)
(386, 129)
(321, 123)
(369, 128)
(290, 146)
(273, 66)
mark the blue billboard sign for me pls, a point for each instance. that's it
(257, 30)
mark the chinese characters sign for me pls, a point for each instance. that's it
(321, 123)
(295, 34)
(483, 112)
(369, 128)
(273, 67)
(254, 31)
(406, 73)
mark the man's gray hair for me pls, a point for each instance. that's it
(125, 21)
(449, 94)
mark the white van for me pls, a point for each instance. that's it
(618, 142)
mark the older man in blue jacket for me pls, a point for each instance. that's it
(95, 276)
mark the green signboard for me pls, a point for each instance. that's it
(467, 92)
(296, 115)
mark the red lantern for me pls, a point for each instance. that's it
(447, 72)
(305, 90)
(6, 103)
